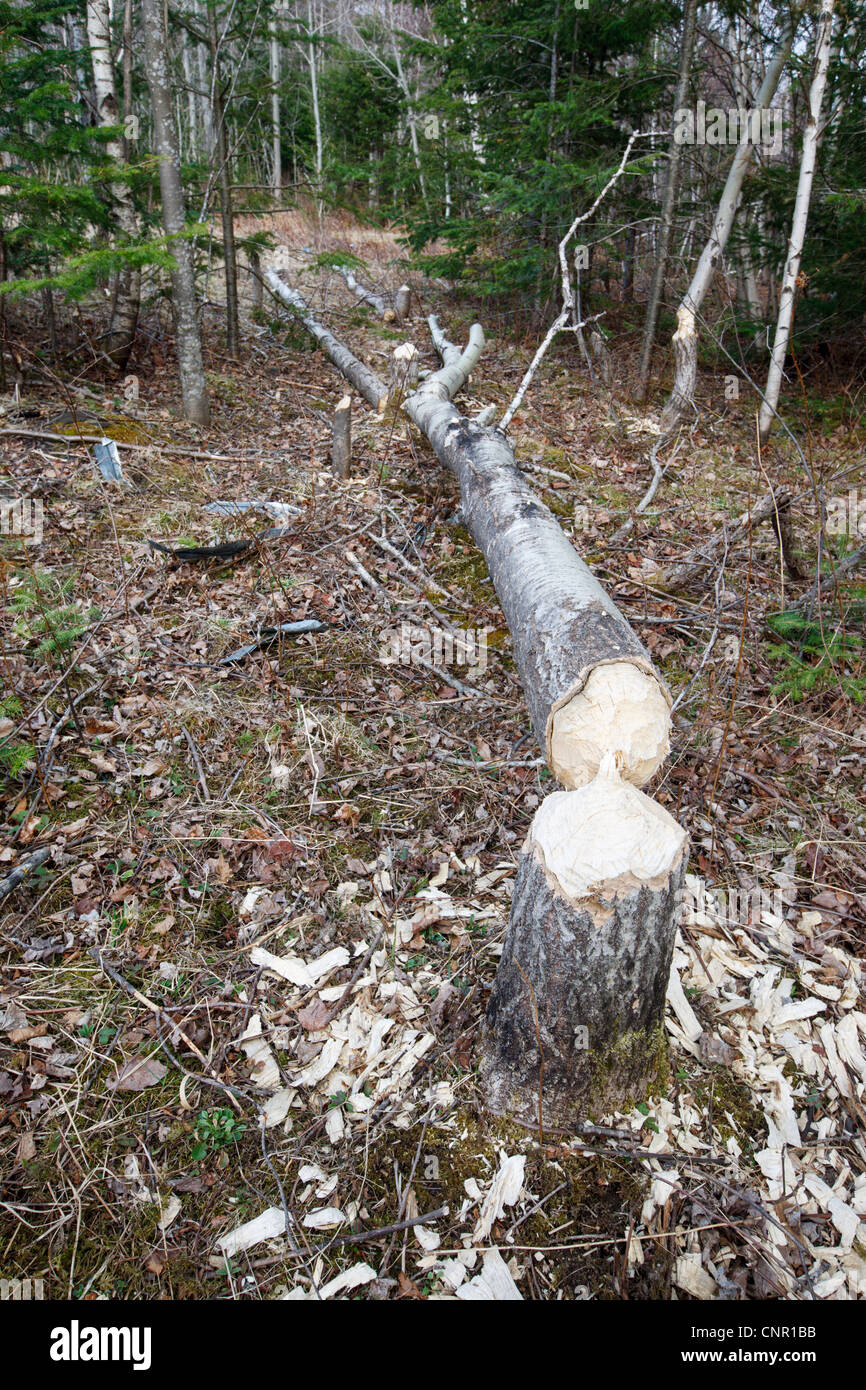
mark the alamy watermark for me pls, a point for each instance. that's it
(713, 125)
(22, 1290)
(734, 907)
(23, 517)
(414, 644)
(846, 516)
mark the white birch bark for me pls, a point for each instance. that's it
(811, 141)
(191, 367)
(276, 140)
(127, 295)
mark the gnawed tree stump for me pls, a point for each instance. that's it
(402, 303)
(575, 1023)
(575, 1020)
(341, 438)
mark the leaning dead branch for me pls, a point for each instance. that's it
(694, 566)
(568, 319)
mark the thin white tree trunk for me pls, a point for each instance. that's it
(685, 341)
(191, 367)
(312, 63)
(127, 295)
(276, 142)
(811, 140)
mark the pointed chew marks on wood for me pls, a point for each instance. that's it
(341, 438)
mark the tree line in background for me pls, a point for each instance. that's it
(134, 131)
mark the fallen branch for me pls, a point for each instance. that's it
(698, 561)
(366, 296)
(23, 870)
(374, 391)
(269, 635)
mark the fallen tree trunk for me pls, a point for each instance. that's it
(579, 661)
(575, 1020)
(374, 391)
(358, 290)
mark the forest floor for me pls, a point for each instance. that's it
(248, 979)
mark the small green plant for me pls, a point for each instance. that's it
(215, 1130)
(816, 656)
(45, 615)
(339, 1100)
(14, 755)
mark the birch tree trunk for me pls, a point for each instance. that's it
(575, 1021)
(276, 141)
(787, 298)
(312, 64)
(669, 204)
(127, 295)
(192, 379)
(685, 341)
(224, 183)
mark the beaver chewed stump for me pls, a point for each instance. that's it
(574, 1024)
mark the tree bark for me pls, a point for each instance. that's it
(341, 438)
(787, 298)
(574, 1024)
(224, 180)
(685, 343)
(669, 203)
(192, 379)
(127, 293)
(276, 137)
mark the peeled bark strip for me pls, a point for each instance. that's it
(575, 1021)
(374, 391)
